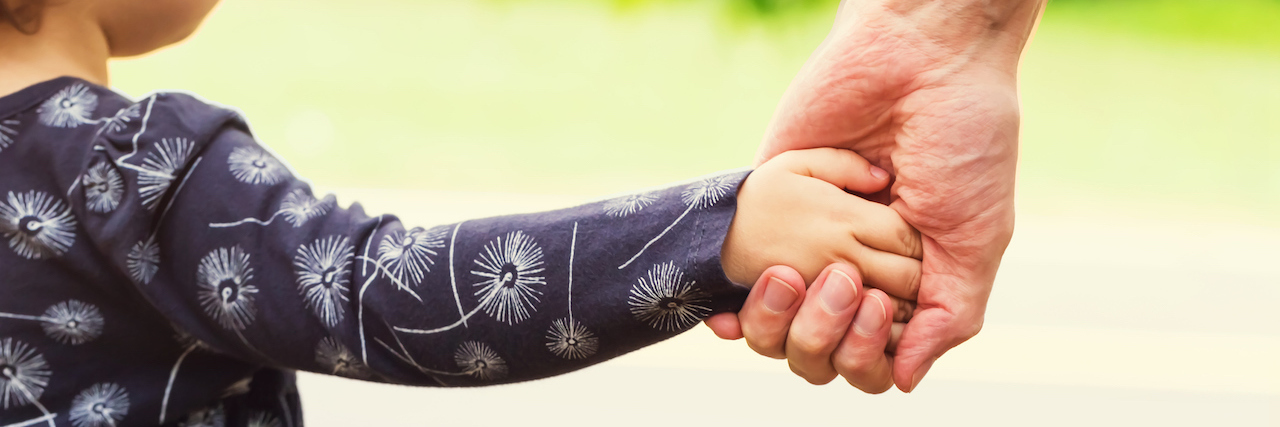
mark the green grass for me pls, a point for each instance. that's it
(1122, 101)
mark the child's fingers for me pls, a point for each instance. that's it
(766, 315)
(881, 227)
(897, 275)
(842, 168)
(821, 321)
(862, 357)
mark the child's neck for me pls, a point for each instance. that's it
(65, 45)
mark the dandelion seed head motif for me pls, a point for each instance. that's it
(143, 260)
(37, 225)
(509, 268)
(223, 287)
(324, 269)
(8, 130)
(263, 419)
(122, 118)
(72, 322)
(571, 340)
(188, 341)
(23, 374)
(707, 192)
(298, 207)
(252, 165)
(69, 108)
(101, 405)
(480, 361)
(103, 187)
(407, 254)
(336, 359)
(160, 167)
(213, 416)
(664, 300)
(627, 205)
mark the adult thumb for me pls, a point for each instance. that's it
(929, 334)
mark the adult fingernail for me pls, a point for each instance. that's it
(838, 293)
(870, 319)
(879, 173)
(778, 295)
(924, 369)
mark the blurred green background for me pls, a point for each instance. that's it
(1167, 103)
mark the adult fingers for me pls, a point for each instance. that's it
(863, 358)
(725, 326)
(839, 167)
(821, 322)
(767, 314)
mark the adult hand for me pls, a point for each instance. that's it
(925, 89)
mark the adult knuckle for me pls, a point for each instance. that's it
(806, 345)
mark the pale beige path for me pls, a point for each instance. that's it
(1096, 320)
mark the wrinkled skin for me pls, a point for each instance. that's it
(926, 90)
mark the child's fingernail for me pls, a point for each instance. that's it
(838, 293)
(879, 173)
(778, 295)
(924, 369)
(869, 320)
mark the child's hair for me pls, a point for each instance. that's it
(22, 14)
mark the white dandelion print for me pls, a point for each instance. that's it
(664, 300)
(571, 340)
(263, 419)
(122, 118)
(160, 168)
(480, 361)
(8, 130)
(509, 266)
(252, 165)
(624, 206)
(143, 260)
(69, 108)
(407, 255)
(335, 359)
(702, 194)
(324, 269)
(37, 225)
(223, 287)
(213, 416)
(238, 388)
(297, 208)
(103, 187)
(101, 405)
(73, 322)
(23, 374)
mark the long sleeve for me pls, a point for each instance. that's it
(231, 247)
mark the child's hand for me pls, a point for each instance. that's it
(794, 211)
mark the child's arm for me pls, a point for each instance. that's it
(225, 242)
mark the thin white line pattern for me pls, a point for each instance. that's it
(335, 359)
(479, 360)
(69, 108)
(509, 268)
(103, 187)
(213, 416)
(263, 419)
(297, 208)
(626, 205)
(407, 255)
(8, 130)
(666, 301)
(37, 225)
(23, 374)
(223, 288)
(699, 195)
(160, 167)
(569, 339)
(323, 270)
(100, 405)
(73, 322)
(143, 260)
(121, 119)
(253, 165)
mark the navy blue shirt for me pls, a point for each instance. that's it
(160, 266)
